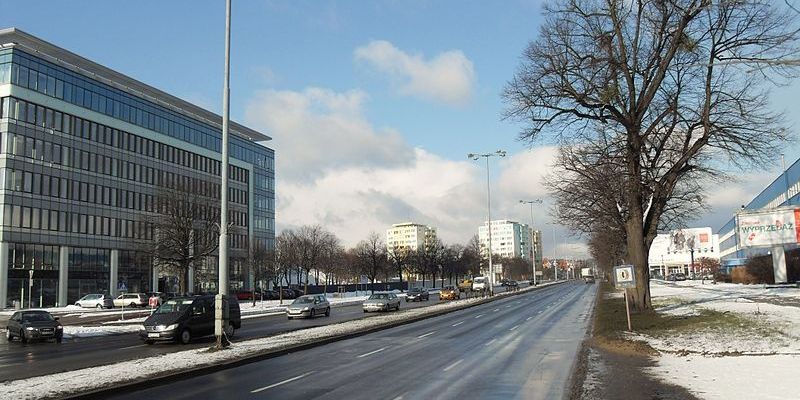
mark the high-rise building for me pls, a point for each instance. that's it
(509, 239)
(85, 152)
(409, 236)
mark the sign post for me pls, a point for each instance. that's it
(624, 278)
(122, 288)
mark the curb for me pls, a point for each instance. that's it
(144, 383)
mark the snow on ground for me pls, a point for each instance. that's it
(93, 378)
(72, 332)
(756, 359)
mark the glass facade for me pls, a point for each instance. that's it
(71, 179)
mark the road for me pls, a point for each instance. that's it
(518, 347)
(18, 361)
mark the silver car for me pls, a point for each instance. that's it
(98, 301)
(309, 306)
(382, 302)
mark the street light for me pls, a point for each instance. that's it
(221, 304)
(533, 262)
(476, 157)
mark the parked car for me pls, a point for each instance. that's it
(131, 300)
(309, 306)
(287, 293)
(98, 301)
(33, 325)
(449, 293)
(676, 277)
(184, 318)
(267, 295)
(465, 285)
(382, 302)
(417, 294)
(245, 295)
(480, 283)
(510, 283)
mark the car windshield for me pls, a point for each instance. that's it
(479, 280)
(174, 305)
(91, 297)
(415, 290)
(304, 300)
(36, 317)
(381, 296)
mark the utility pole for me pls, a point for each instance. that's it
(476, 157)
(532, 241)
(221, 301)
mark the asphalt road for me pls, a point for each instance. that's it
(19, 360)
(518, 347)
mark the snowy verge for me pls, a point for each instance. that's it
(751, 352)
(110, 377)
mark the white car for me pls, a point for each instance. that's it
(131, 300)
(480, 283)
(95, 301)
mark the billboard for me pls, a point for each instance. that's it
(768, 228)
(676, 247)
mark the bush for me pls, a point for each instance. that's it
(757, 270)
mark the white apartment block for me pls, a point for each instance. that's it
(509, 239)
(409, 236)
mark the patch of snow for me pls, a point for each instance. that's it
(72, 332)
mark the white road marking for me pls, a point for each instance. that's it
(496, 310)
(515, 327)
(508, 306)
(539, 312)
(133, 347)
(372, 352)
(426, 334)
(490, 342)
(457, 323)
(528, 319)
(282, 382)
(479, 315)
(398, 398)
(453, 365)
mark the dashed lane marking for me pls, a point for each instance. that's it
(282, 382)
(372, 352)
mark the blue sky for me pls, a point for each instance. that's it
(361, 142)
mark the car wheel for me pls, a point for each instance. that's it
(288, 317)
(148, 342)
(185, 337)
(99, 306)
(313, 313)
(78, 305)
(23, 337)
(132, 305)
(230, 330)
(328, 312)
(59, 339)
(365, 311)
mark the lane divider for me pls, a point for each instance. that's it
(457, 323)
(453, 365)
(372, 352)
(426, 334)
(282, 382)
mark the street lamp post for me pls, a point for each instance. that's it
(476, 157)
(532, 242)
(221, 304)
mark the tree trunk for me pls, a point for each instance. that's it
(637, 256)
(400, 270)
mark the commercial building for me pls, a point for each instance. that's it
(510, 239)
(675, 251)
(85, 153)
(409, 236)
(783, 191)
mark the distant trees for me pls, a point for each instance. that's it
(371, 259)
(647, 99)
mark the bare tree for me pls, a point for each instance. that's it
(664, 83)
(186, 231)
(332, 258)
(401, 260)
(286, 257)
(311, 241)
(371, 257)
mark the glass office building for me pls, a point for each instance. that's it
(783, 191)
(85, 153)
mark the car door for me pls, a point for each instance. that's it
(202, 318)
(13, 324)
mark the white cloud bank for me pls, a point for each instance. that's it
(448, 78)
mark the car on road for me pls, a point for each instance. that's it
(465, 285)
(449, 293)
(509, 283)
(34, 325)
(417, 294)
(182, 319)
(480, 283)
(309, 306)
(131, 300)
(382, 302)
(98, 301)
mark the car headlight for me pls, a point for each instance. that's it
(171, 327)
(306, 308)
(30, 328)
(59, 327)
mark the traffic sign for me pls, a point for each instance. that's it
(624, 277)
(122, 287)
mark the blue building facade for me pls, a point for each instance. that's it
(84, 153)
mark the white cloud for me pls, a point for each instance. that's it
(449, 77)
(336, 169)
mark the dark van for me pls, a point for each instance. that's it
(183, 318)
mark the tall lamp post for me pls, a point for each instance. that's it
(221, 305)
(476, 157)
(533, 262)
